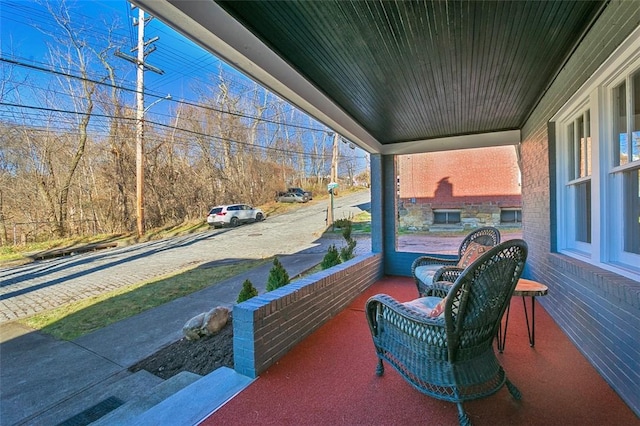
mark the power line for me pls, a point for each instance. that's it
(162, 125)
(39, 16)
(183, 102)
(177, 61)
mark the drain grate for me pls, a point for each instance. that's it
(92, 414)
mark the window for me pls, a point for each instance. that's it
(627, 128)
(583, 211)
(579, 180)
(511, 216)
(632, 211)
(598, 168)
(441, 217)
(626, 160)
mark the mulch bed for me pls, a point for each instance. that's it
(200, 356)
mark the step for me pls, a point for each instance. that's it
(195, 402)
(94, 400)
(139, 404)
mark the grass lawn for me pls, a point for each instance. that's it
(79, 318)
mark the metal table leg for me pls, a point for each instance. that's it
(531, 327)
(524, 288)
(531, 330)
(502, 334)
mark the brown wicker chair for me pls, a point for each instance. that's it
(451, 357)
(424, 267)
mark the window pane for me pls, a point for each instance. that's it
(439, 217)
(620, 125)
(571, 137)
(635, 131)
(583, 212)
(632, 211)
(511, 216)
(581, 147)
(579, 136)
(442, 217)
(587, 137)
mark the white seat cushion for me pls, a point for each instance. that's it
(425, 304)
(425, 273)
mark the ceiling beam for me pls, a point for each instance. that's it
(508, 137)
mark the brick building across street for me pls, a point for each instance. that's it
(459, 189)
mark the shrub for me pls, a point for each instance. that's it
(342, 223)
(346, 252)
(332, 258)
(346, 230)
(248, 291)
(278, 276)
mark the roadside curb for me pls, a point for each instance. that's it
(70, 251)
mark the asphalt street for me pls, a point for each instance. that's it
(47, 284)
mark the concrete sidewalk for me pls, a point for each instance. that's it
(47, 381)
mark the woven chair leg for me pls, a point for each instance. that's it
(380, 368)
(463, 419)
(514, 391)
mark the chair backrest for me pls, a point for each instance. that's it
(478, 298)
(487, 235)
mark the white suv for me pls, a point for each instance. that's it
(233, 215)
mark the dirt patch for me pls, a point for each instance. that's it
(200, 356)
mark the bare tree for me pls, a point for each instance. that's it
(121, 154)
(70, 52)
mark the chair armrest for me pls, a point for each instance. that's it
(383, 308)
(441, 288)
(447, 273)
(433, 260)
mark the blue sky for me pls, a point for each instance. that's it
(24, 24)
(28, 31)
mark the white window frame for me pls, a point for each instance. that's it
(455, 211)
(616, 179)
(606, 249)
(511, 209)
(568, 182)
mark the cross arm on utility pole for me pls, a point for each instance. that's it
(131, 59)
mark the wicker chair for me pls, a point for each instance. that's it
(424, 267)
(451, 357)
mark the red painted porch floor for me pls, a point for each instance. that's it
(329, 379)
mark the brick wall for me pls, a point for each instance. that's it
(266, 327)
(598, 310)
(460, 176)
(478, 182)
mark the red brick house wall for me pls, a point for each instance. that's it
(477, 182)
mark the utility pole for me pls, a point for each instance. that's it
(140, 110)
(333, 185)
(334, 158)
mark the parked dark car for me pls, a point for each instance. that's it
(301, 191)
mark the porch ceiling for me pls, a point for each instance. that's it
(396, 77)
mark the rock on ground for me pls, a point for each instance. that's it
(200, 356)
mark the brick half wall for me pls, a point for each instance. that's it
(266, 327)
